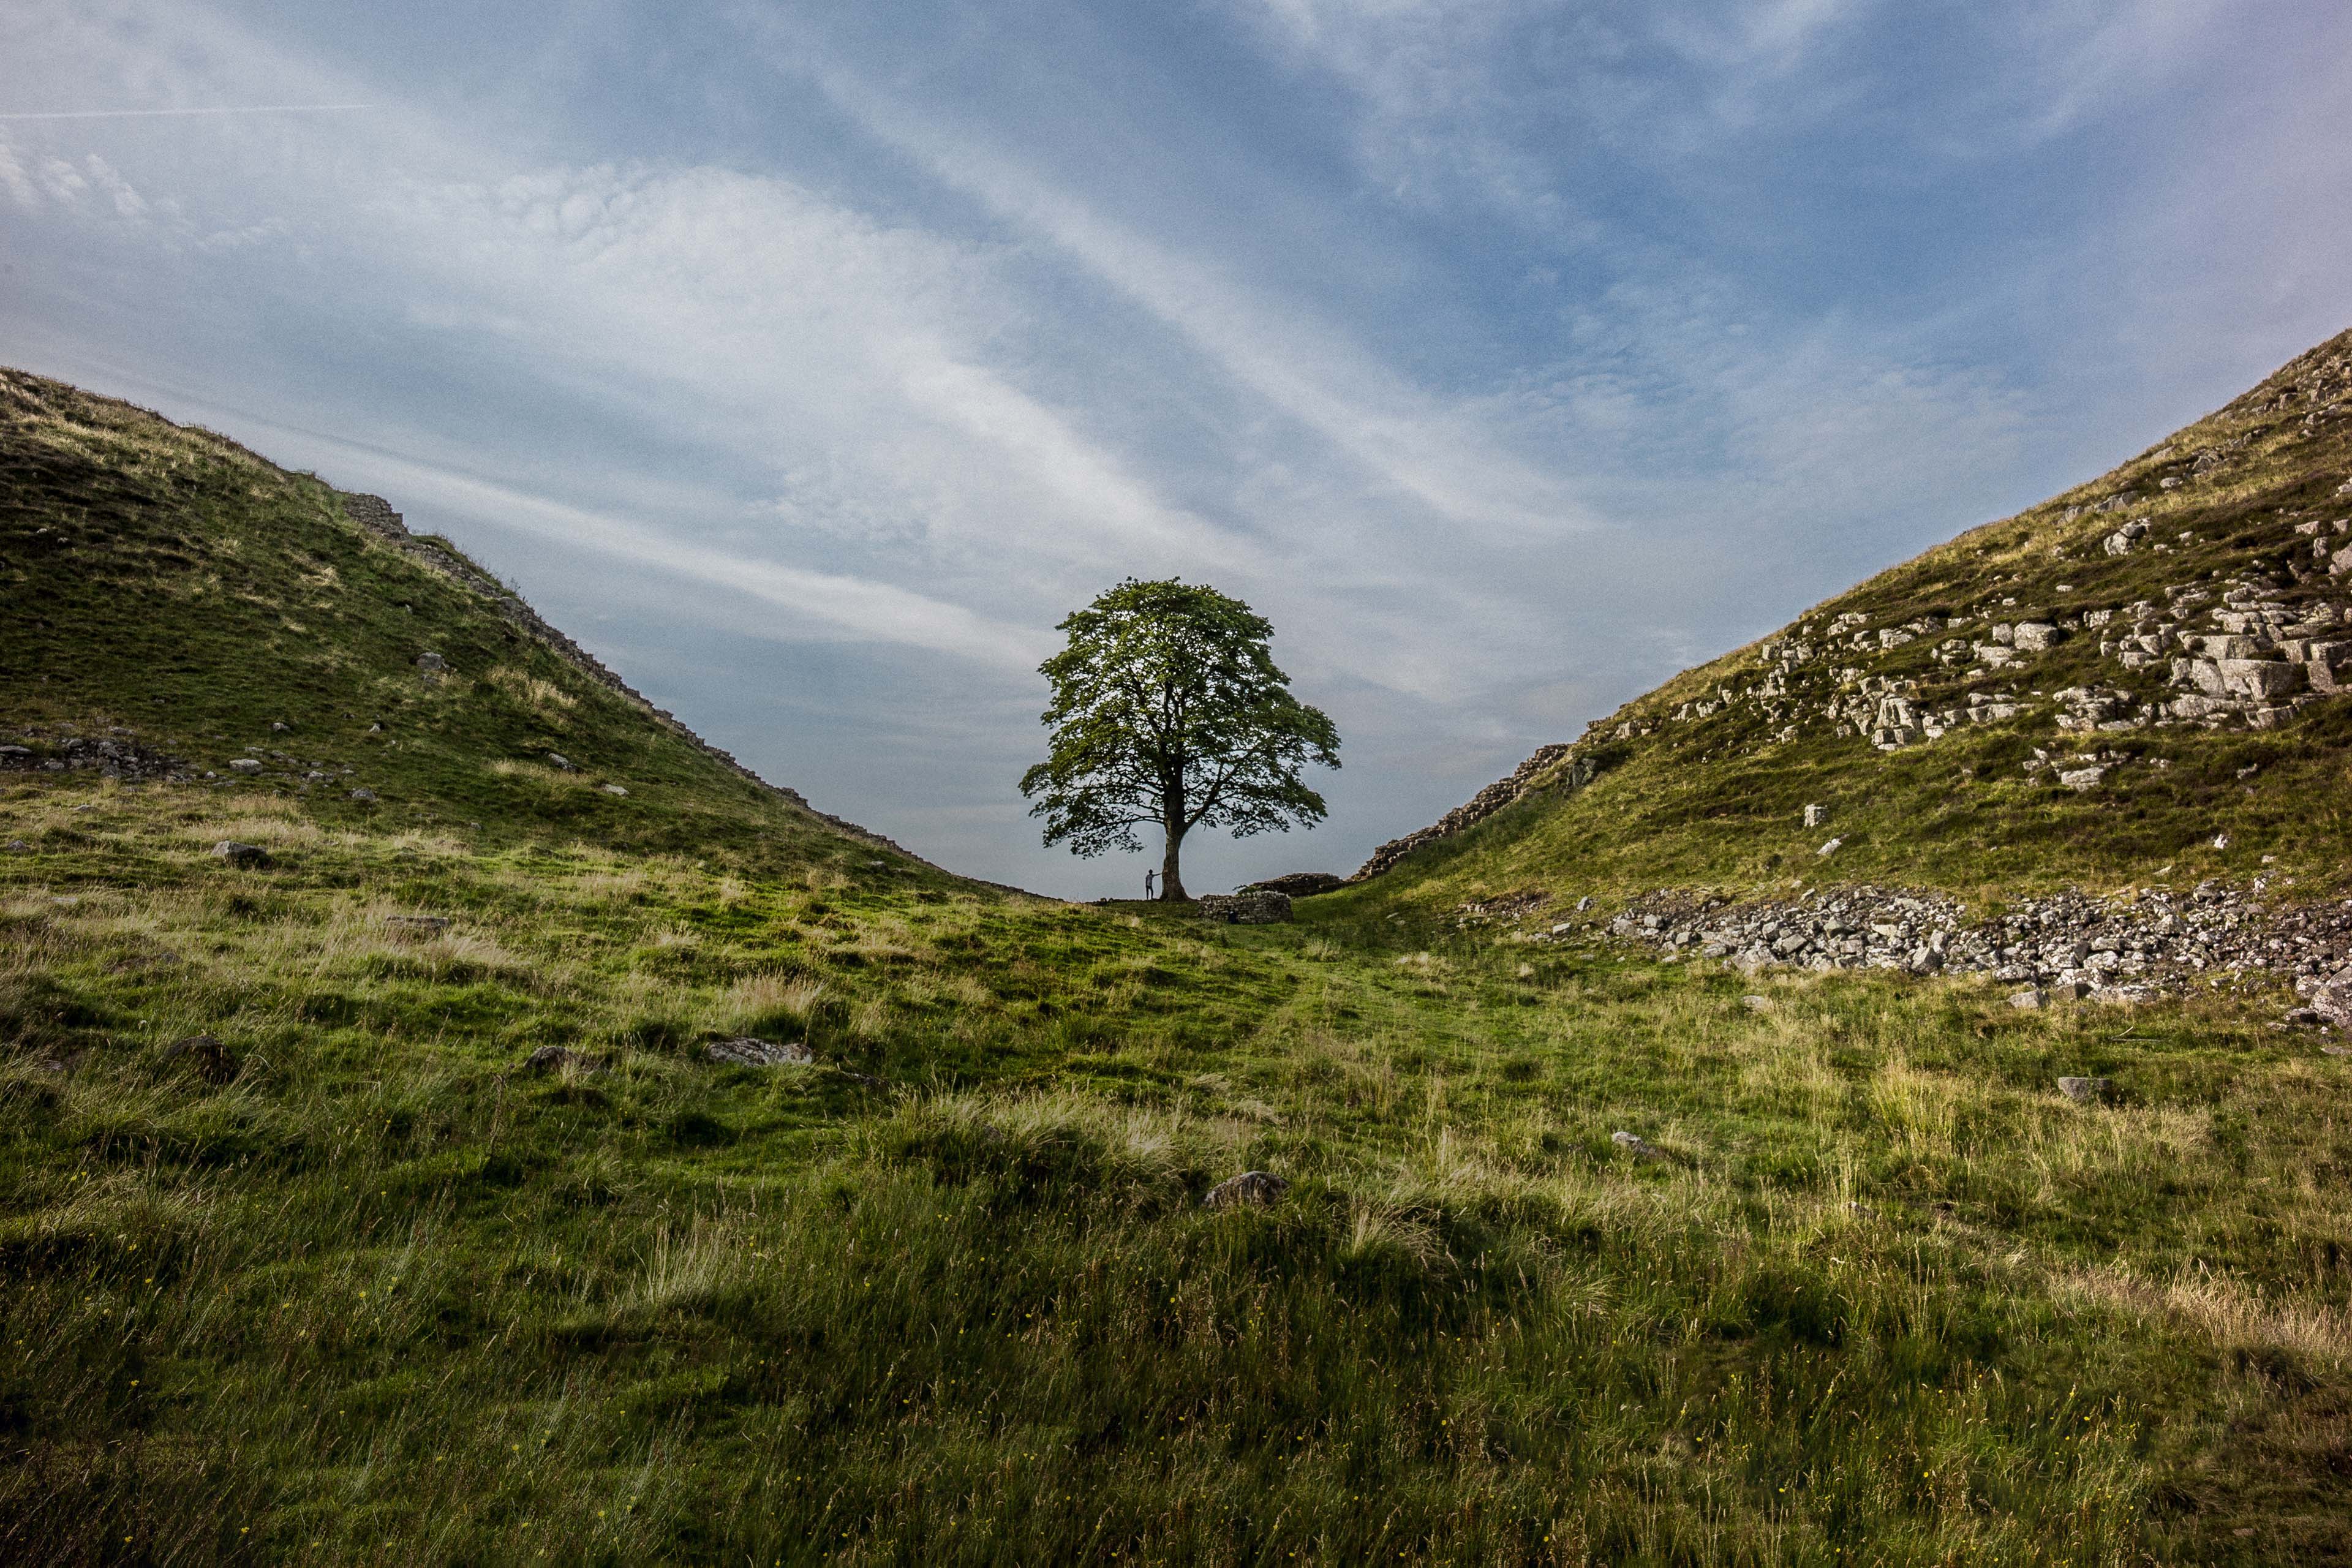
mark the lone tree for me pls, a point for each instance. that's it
(1168, 708)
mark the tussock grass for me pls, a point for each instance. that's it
(949, 1294)
(383, 1298)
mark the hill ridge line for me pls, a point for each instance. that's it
(378, 517)
(2280, 639)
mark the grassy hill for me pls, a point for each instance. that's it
(357, 1281)
(1948, 746)
(177, 595)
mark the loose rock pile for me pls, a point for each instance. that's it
(114, 757)
(2122, 946)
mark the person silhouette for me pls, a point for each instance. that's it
(1146, 883)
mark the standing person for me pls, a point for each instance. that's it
(1147, 885)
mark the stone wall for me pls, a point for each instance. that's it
(1245, 909)
(1502, 793)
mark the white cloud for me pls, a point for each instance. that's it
(1413, 442)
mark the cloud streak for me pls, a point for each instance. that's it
(169, 113)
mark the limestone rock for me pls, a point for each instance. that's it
(236, 854)
(615, 789)
(246, 765)
(365, 796)
(752, 1053)
(1641, 1148)
(2036, 637)
(431, 663)
(1259, 1189)
(2029, 1001)
(558, 761)
(1817, 816)
(2085, 1090)
(2332, 999)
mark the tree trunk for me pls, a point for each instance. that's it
(1171, 884)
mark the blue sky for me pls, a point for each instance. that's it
(809, 362)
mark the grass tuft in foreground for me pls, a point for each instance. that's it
(383, 1297)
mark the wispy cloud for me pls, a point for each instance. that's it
(1413, 442)
(171, 114)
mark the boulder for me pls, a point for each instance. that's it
(365, 796)
(2328, 665)
(558, 761)
(614, 789)
(236, 854)
(1641, 1148)
(431, 662)
(749, 1053)
(420, 925)
(1257, 1189)
(2259, 677)
(2332, 999)
(1831, 847)
(2029, 1001)
(2085, 1090)
(246, 765)
(2036, 637)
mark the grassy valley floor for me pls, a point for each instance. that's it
(372, 1292)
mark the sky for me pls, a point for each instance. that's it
(809, 362)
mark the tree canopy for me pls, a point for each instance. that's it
(1168, 708)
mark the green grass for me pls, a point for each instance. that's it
(168, 584)
(950, 1295)
(1717, 802)
(382, 1298)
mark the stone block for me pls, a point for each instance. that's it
(2259, 677)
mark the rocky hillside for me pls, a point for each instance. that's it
(180, 607)
(2144, 678)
